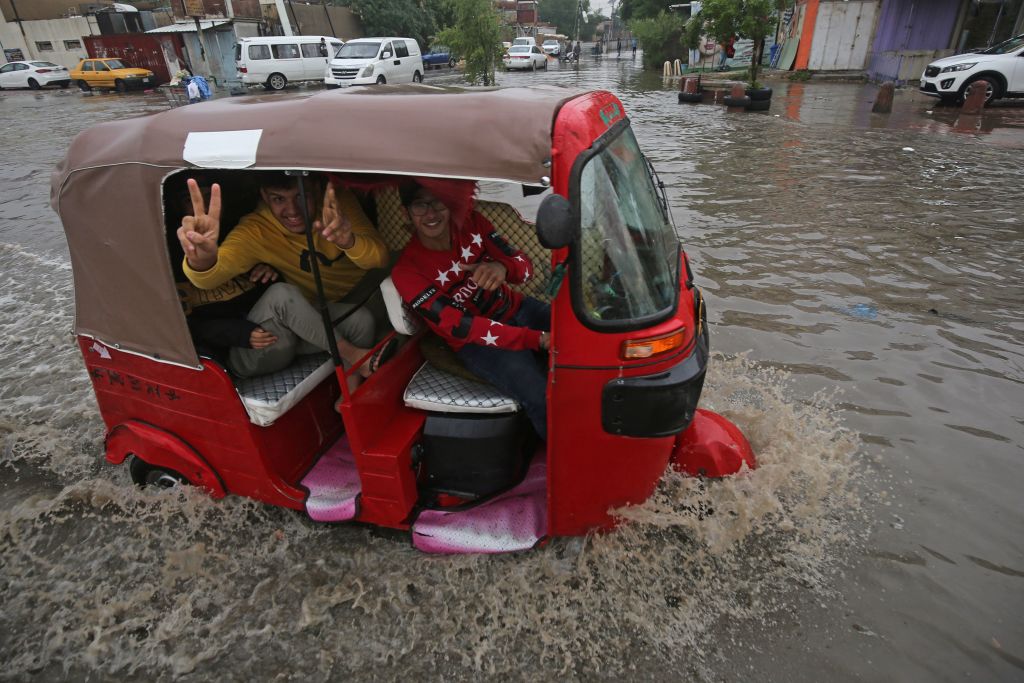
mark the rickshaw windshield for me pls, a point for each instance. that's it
(629, 252)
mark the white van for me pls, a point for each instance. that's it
(276, 61)
(375, 60)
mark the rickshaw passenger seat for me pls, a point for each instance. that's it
(268, 397)
(432, 388)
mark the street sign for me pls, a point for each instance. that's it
(194, 8)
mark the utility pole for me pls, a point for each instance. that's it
(28, 48)
(282, 13)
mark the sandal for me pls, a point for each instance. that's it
(383, 355)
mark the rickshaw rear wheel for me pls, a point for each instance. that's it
(143, 474)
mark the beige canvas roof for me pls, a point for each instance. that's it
(107, 190)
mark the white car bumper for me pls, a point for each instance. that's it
(945, 85)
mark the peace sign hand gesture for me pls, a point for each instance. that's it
(199, 232)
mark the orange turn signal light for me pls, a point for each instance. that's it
(645, 348)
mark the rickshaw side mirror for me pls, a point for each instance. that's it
(555, 224)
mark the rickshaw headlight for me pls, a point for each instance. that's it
(653, 346)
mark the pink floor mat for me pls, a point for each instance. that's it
(333, 485)
(515, 520)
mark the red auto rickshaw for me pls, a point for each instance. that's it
(415, 448)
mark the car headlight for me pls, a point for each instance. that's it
(959, 67)
(367, 70)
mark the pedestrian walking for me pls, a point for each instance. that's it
(634, 47)
(618, 46)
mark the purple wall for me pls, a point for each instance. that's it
(910, 25)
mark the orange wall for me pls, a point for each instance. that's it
(803, 53)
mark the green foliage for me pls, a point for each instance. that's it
(561, 13)
(631, 10)
(753, 19)
(476, 36)
(589, 27)
(407, 18)
(443, 13)
(801, 75)
(662, 38)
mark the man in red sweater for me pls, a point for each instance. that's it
(457, 278)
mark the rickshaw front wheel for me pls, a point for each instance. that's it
(143, 474)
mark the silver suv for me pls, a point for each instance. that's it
(1000, 66)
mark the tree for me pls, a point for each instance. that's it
(394, 18)
(642, 9)
(476, 36)
(661, 36)
(563, 14)
(753, 19)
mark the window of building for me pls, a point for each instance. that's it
(44, 46)
(72, 45)
(259, 52)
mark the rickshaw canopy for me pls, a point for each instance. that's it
(108, 188)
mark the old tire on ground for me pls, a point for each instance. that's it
(691, 97)
(84, 87)
(144, 474)
(417, 77)
(731, 101)
(757, 94)
(120, 86)
(34, 84)
(276, 82)
(993, 89)
(759, 105)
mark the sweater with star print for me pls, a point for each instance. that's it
(434, 285)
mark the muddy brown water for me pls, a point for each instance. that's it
(864, 283)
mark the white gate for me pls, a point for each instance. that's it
(842, 35)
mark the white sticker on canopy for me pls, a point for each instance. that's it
(223, 148)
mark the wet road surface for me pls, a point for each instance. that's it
(864, 283)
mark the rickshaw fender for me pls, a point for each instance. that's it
(160, 448)
(711, 446)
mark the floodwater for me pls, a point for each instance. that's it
(864, 283)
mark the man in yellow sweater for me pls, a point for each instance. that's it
(347, 246)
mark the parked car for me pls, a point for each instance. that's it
(524, 40)
(552, 47)
(525, 57)
(375, 60)
(277, 61)
(1001, 67)
(33, 75)
(439, 55)
(111, 73)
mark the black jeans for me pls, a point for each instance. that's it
(520, 374)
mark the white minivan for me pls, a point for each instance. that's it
(375, 60)
(276, 61)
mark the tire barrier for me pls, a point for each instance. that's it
(756, 94)
(741, 102)
(759, 105)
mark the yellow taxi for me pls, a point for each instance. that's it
(111, 73)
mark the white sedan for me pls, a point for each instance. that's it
(526, 57)
(33, 75)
